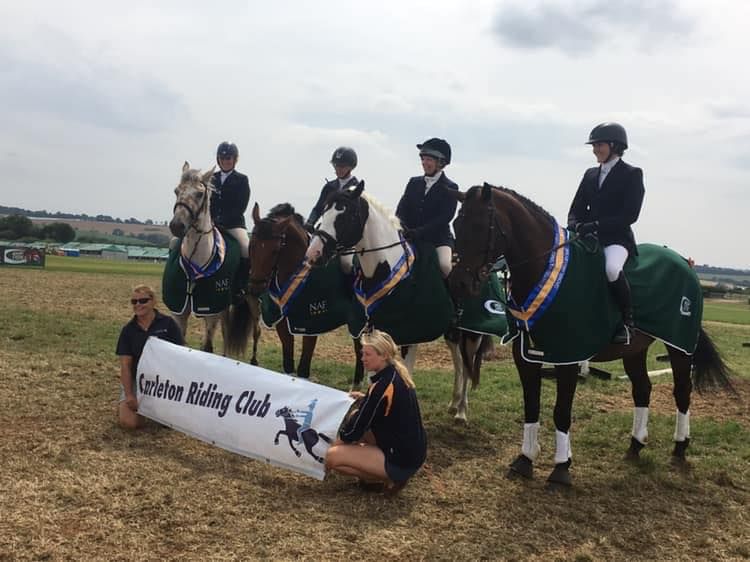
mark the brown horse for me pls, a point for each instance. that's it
(495, 221)
(277, 248)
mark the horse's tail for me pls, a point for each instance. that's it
(240, 322)
(325, 438)
(709, 368)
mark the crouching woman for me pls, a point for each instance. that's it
(383, 442)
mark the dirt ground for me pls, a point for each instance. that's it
(74, 486)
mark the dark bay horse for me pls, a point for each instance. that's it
(354, 222)
(495, 221)
(199, 242)
(277, 249)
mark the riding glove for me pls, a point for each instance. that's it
(584, 228)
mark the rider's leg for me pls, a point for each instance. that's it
(615, 256)
(445, 258)
(243, 270)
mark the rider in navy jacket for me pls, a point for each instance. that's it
(344, 160)
(607, 203)
(427, 205)
(229, 201)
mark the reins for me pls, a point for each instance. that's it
(194, 216)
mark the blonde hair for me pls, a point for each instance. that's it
(384, 346)
(145, 289)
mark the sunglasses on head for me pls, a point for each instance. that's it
(140, 301)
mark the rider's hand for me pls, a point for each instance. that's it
(582, 229)
(309, 227)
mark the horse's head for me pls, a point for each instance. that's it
(479, 240)
(268, 240)
(341, 225)
(193, 193)
(284, 411)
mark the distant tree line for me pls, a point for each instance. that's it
(19, 227)
(70, 216)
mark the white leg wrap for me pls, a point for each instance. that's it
(530, 447)
(562, 447)
(682, 426)
(640, 424)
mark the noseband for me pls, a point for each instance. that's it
(195, 215)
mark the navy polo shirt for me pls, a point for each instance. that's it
(133, 338)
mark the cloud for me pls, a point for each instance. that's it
(73, 86)
(576, 27)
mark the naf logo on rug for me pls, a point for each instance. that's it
(685, 307)
(222, 285)
(317, 308)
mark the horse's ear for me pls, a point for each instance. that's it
(206, 177)
(457, 195)
(357, 191)
(185, 167)
(486, 192)
(256, 213)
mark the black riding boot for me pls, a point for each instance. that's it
(241, 279)
(620, 289)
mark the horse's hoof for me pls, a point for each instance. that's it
(276, 442)
(633, 454)
(460, 418)
(452, 409)
(680, 447)
(298, 453)
(254, 361)
(560, 476)
(521, 467)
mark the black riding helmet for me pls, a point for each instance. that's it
(437, 148)
(227, 149)
(609, 132)
(344, 156)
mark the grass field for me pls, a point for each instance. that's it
(76, 486)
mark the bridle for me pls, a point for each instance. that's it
(265, 281)
(496, 236)
(195, 215)
(335, 248)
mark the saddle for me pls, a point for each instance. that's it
(579, 322)
(206, 296)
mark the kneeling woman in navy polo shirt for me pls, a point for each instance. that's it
(383, 442)
(146, 322)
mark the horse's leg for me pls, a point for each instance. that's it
(182, 321)
(466, 366)
(359, 368)
(459, 381)
(287, 346)
(254, 327)
(308, 348)
(410, 357)
(531, 383)
(567, 380)
(637, 371)
(210, 325)
(310, 439)
(683, 387)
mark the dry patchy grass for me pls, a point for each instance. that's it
(73, 485)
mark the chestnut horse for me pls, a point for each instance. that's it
(277, 249)
(495, 221)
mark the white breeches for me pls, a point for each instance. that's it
(615, 256)
(445, 258)
(240, 234)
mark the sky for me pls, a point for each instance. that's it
(101, 103)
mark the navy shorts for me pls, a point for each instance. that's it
(399, 473)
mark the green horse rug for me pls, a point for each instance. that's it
(582, 317)
(413, 304)
(207, 290)
(314, 301)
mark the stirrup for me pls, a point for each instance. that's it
(622, 336)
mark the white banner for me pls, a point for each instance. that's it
(279, 419)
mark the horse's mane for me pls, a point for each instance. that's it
(382, 209)
(527, 203)
(283, 210)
